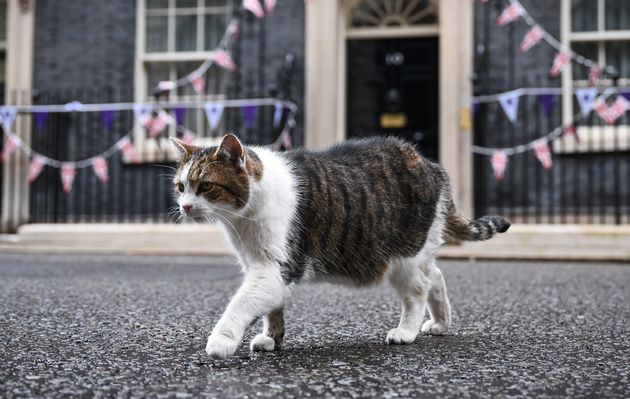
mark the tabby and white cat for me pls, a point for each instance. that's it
(360, 212)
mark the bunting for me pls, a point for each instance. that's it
(532, 38)
(499, 161)
(128, 150)
(11, 144)
(99, 165)
(198, 84)
(224, 60)
(68, 172)
(254, 7)
(7, 116)
(214, 111)
(541, 149)
(510, 14)
(509, 102)
(586, 99)
(562, 59)
(35, 168)
(249, 115)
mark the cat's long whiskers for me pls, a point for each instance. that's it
(235, 214)
(230, 224)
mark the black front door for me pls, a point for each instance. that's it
(393, 89)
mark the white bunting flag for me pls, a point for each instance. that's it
(233, 28)
(99, 165)
(213, 113)
(11, 144)
(36, 167)
(68, 172)
(586, 99)
(541, 148)
(198, 84)
(277, 114)
(270, 5)
(509, 103)
(223, 59)
(255, 7)
(533, 36)
(74, 106)
(499, 161)
(7, 116)
(511, 13)
(561, 60)
(142, 113)
(128, 150)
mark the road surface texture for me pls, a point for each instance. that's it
(136, 326)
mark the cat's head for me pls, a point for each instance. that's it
(211, 180)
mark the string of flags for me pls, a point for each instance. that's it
(155, 121)
(564, 55)
(608, 113)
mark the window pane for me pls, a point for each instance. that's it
(215, 3)
(153, 4)
(617, 14)
(157, 34)
(588, 50)
(186, 33)
(156, 72)
(584, 15)
(183, 69)
(215, 27)
(618, 55)
(3, 20)
(186, 3)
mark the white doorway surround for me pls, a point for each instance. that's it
(330, 23)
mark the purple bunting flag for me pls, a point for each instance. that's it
(107, 117)
(249, 114)
(546, 102)
(180, 114)
(40, 120)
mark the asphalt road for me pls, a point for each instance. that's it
(136, 326)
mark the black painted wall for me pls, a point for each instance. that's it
(86, 52)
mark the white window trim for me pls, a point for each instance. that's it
(148, 149)
(593, 138)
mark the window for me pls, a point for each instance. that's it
(3, 47)
(598, 30)
(173, 38)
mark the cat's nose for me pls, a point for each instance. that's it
(186, 208)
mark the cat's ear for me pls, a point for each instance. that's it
(183, 148)
(232, 147)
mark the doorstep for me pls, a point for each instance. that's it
(532, 242)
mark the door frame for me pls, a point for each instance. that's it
(325, 98)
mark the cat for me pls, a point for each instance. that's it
(358, 213)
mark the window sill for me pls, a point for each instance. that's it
(595, 139)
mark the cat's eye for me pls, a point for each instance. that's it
(205, 186)
(179, 187)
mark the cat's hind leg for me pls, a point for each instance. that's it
(272, 334)
(439, 305)
(412, 287)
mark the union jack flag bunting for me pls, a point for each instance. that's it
(511, 13)
(198, 84)
(158, 123)
(233, 28)
(255, 7)
(616, 111)
(68, 172)
(561, 60)
(188, 137)
(37, 164)
(166, 85)
(532, 38)
(99, 164)
(11, 144)
(541, 148)
(570, 130)
(499, 161)
(594, 75)
(128, 150)
(270, 5)
(223, 59)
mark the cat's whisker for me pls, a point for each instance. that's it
(235, 214)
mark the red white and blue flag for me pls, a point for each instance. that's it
(499, 161)
(68, 172)
(511, 13)
(541, 148)
(532, 38)
(36, 167)
(99, 164)
(562, 59)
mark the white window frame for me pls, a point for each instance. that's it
(593, 138)
(148, 149)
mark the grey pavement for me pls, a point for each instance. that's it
(136, 327)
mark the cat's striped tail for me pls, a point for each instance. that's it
(461, 228)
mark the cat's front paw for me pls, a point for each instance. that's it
(220, 346)
(432, 328)
(399, 336)
(262, 343)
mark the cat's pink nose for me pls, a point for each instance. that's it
(186, 208)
